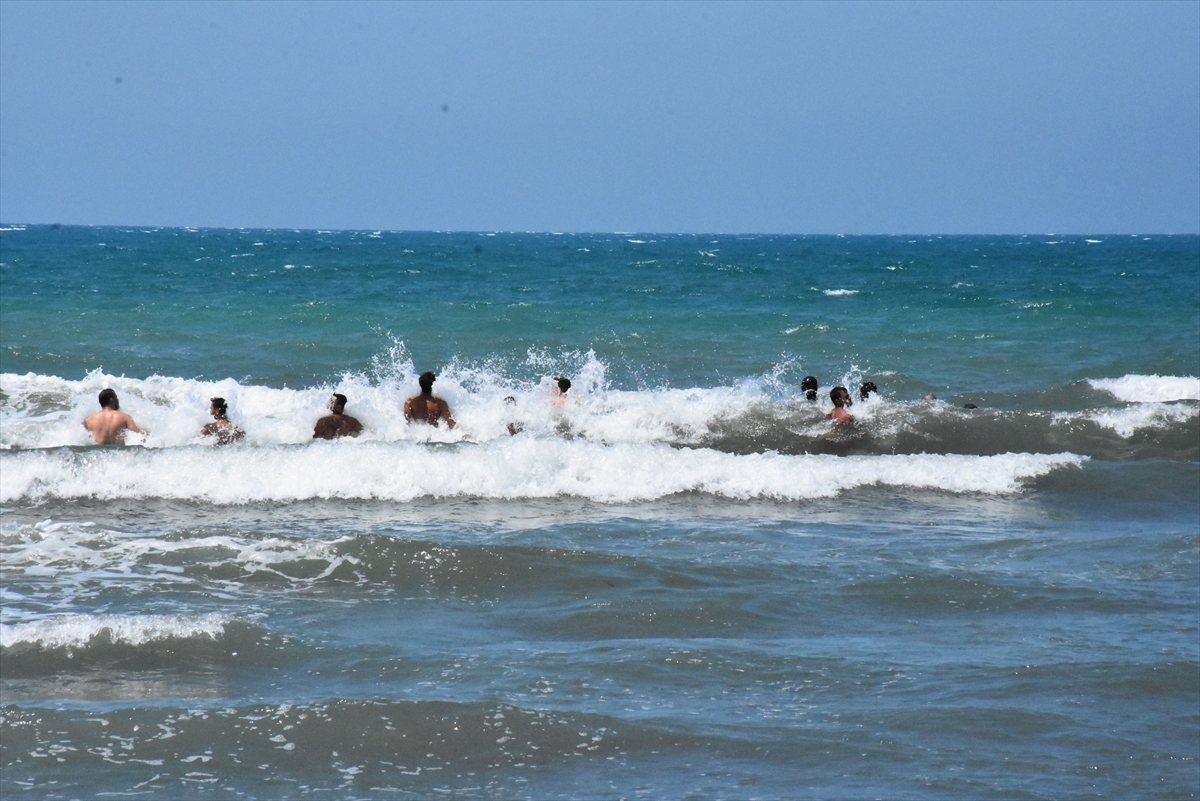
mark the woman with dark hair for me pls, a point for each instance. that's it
(225, 431)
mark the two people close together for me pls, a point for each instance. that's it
(424, 408)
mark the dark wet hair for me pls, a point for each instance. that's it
(809, 387)
(341, 400)
(970, 406)
(840, 396)
(219, 404)
(108, 397)
(510, 399)
(563, 383)
(426, 381)
(866, 389)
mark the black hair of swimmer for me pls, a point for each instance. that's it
(219, 407)
(840, 396)
(510, 400)
(340, 404)
(563, 384)
(970, 406)
(108, 399)
(426, 381)
(809, 387)
(866, 389)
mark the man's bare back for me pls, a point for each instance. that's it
(426, 407)
(429, 409)
(108, 426)
(332, 426)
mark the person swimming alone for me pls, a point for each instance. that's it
(108, 426)
(225, 431)
(338, 424)
(426, 407)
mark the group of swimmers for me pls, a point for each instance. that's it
(108, 426)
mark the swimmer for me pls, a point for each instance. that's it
(561, 385)
(108, 426)
(335, 425)
(225, 431)
(841, 399)
(425, 406)
(866, 389)
(809, 387)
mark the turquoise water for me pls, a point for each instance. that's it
(682, 582)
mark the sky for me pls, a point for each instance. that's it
(800, 118)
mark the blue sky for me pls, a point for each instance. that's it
(899, 117)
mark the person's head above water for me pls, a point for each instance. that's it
(809, 387)
(219, 407)
(337, 404)
(866, 389)
(426, 381)
(108, 399)
(840, 397)
(563, 384)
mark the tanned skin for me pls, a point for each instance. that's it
(426, 407)
(108, 426)
(225, 431)
(841, 398)
(337, 424)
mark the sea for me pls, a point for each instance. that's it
(682, 581)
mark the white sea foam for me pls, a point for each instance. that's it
(47, 412)
(80, 555)
(834, 293)
(1129, 420)
(1150, 388)
(517, 468)
(78, 631)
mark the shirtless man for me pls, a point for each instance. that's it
(335, 425)
(841, 399)
(426, 407)
(109, 425)
(225, 431)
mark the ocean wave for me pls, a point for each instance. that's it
(81, 631)
(520, 467)
(756, 414)
(1150, 388)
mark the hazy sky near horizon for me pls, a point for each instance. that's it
(897, 117)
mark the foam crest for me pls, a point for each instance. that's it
(1128, 421)
(1150, 388)
(517, 467)
(47, 412)
(76, 555)
(80, 631)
